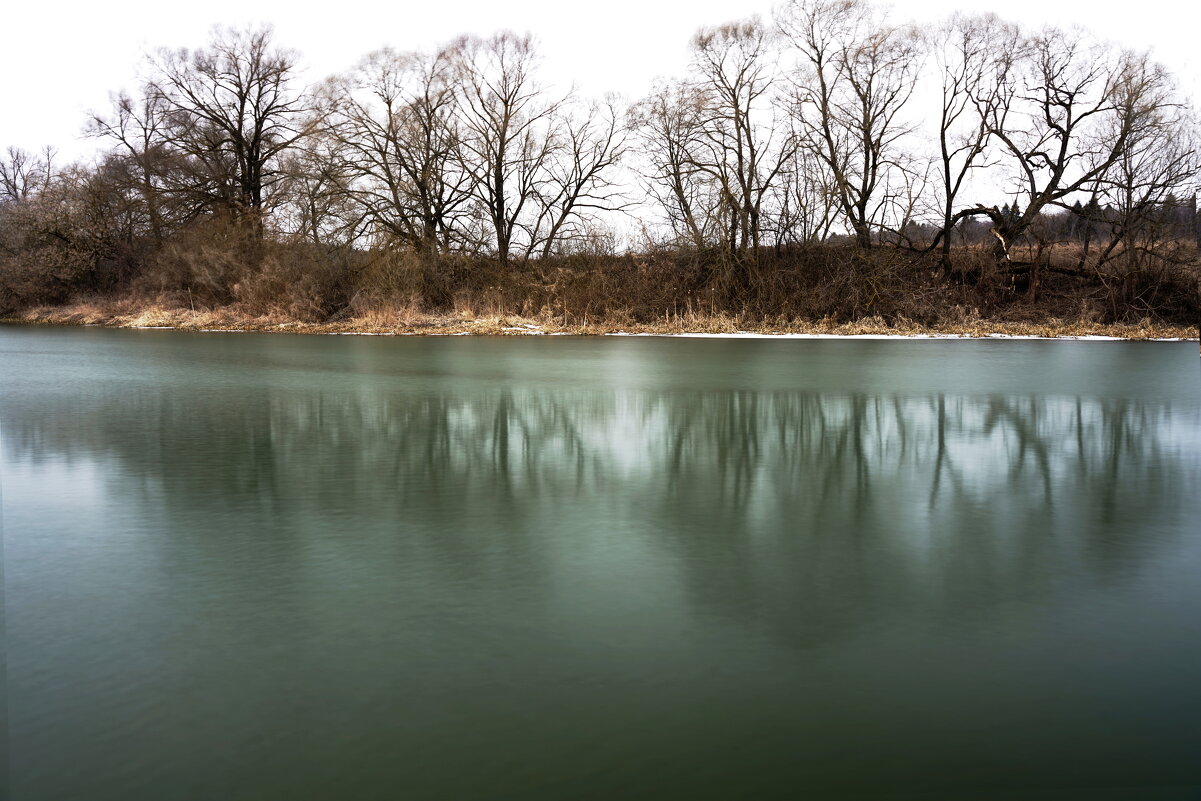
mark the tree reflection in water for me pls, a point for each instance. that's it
(757, 498)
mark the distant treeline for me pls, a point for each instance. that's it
(828, 147)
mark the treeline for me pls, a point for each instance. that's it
(828, 150)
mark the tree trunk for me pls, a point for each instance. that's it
(435, 288)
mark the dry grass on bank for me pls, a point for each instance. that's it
(408, 320)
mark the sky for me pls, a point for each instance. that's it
(59, 60)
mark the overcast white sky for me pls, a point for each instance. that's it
(58, 60)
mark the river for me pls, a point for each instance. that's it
(242, 566)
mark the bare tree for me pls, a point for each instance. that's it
(1139, 222)
(579, 182)
(506, 119)
(233, 109)
(670, 125)
(975, 57)
(314, 204)
(137, 126)
(399, 152)
(23, 174)
(745, 146)
(1073, 110)
(397, 147)
(853, 77)
(804, 200)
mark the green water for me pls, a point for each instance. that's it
(240, 566)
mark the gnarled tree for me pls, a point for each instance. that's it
(1063, 123)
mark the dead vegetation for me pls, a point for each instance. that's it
(405, 321)
(830, 290)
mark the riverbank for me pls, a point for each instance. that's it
(123, 314)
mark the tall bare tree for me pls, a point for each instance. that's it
(506, 118)
(314, 204)
(976, 57)
(398, 148)
(233, 108)
(853, 76)
(399, 151)
(137, 125)
(590, 141)
(746, 146)
(1140, 230)
(670, 125)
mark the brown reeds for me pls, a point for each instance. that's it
(828, 290)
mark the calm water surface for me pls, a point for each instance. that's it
(270, 567)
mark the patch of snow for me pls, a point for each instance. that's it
(361, 334)
(752, 335)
